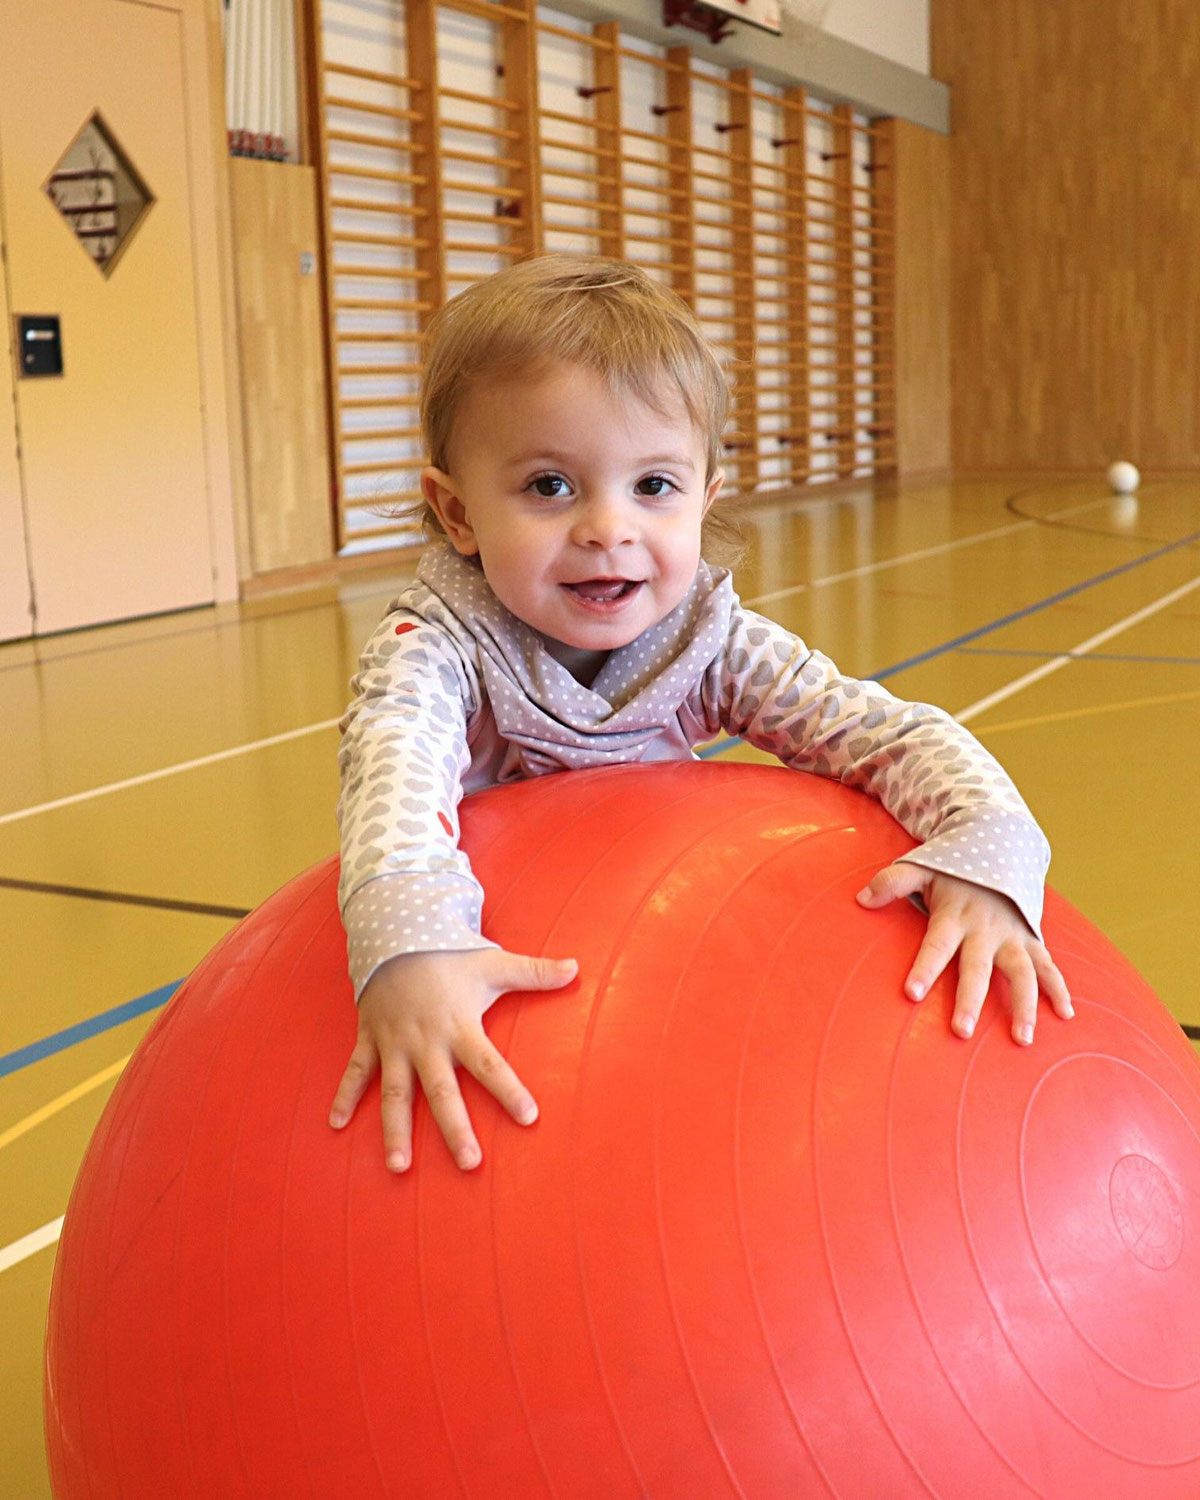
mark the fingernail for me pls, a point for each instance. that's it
(1069, 1011)
(338, 1121)
(864, 894)
(917, 990)
(527, 1113)
(468, 1157)
(1025, 1034)
(397, 1161)
(965, 1026)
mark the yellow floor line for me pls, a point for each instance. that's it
(983, 730)
(39, 1116)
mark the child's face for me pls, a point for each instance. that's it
(584, 507)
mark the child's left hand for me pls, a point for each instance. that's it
(987, 932)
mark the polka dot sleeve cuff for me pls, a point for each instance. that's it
(1004, 851)
(409, 914)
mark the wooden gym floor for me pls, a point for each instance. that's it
(163, 777)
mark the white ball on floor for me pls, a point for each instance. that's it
(1123, 477)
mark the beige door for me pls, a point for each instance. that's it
(112, 457)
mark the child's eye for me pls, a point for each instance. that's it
(655, 484)
(550, 486)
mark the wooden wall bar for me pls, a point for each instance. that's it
(681, 201)
(844, 319)
(474, 148)
(606, 107)
(792, 145)
(521, 88)
(739, 138)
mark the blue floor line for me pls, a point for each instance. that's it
(11, 1062)
(959, 642)
(1034, 608)
(719, 748)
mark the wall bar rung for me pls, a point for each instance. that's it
(390, 111)
(491, 100)
(373, 75)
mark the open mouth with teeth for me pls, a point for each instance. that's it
(603, 590)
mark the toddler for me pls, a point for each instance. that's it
(565, 617)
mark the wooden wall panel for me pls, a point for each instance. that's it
(280, 333)
(1075, 175)
(920, 183)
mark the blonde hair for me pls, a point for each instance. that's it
(608, 316)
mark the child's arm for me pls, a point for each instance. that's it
(411, 905)
(983, 859)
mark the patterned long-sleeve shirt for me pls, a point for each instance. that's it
(454, 693)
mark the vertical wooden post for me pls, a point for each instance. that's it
(741, 184)
(315, 44)
(606, 75)
(795, 159)
(306, 83)
(843, 305)
(883, 295)
(519, 53)
(680, 201)
(426, 132)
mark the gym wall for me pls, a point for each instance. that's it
(1075, 214)
(771, 208)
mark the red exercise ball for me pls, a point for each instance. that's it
(776, 1234)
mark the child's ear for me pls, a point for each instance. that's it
(442, 498)
(714, 489)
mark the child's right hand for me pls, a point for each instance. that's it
(419, 1016)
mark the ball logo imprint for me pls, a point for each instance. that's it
(1146, 1211)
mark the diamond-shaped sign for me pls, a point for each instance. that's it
(99, 193)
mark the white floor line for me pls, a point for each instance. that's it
(183, 765)
(1056, 664)
(921, 554)
(30, 1244)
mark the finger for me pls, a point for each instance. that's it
(520, 971)
(359, 1071)
(892, 882)
(1053, 984)
(396, 1107)
(974, 977)
(488, 1064)
(1023, 986)
(450, 1112)
(942, 939)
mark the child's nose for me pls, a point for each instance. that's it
(604, 521)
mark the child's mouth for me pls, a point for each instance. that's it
(603, 590)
